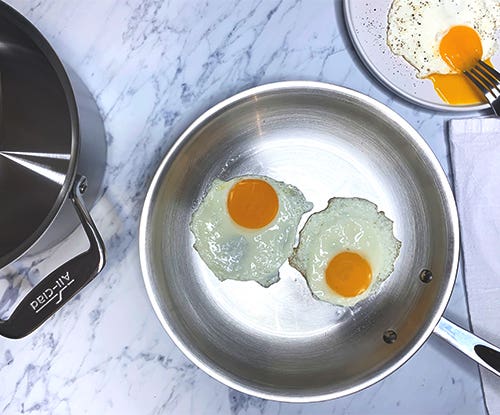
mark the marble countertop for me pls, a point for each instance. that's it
(153, 66)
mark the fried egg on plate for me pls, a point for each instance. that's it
(245, 228)
(442, 38)
(346, 251)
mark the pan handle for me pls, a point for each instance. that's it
(60, 285)
(476, 348)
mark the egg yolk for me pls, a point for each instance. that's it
(348, 274)
(252, 203)
(461, 49)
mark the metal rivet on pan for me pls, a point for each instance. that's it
(425, 276)
(83, 186)
(390, 336)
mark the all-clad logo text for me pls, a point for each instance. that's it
(49, 294)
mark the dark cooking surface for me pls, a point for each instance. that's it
(35, 141)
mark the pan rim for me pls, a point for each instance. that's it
(149, 203)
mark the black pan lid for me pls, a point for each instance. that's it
(38, 135)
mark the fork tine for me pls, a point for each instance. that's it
(476, 82)
(488, 84)
(491, 70)
(493, 82)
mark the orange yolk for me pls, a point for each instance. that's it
(252, 203)
(461, 49)
(348, 274)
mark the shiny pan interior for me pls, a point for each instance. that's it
(279, 342)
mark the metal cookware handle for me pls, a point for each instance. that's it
(476, 348)
(61, 285)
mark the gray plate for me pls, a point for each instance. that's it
(278, 342)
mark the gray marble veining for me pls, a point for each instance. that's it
(153, 66)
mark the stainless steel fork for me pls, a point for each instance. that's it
(487, 80)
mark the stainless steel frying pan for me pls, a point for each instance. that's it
(278, 342)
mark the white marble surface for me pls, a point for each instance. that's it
(153, 66)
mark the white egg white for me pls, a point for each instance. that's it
(234, 252)
(415, 29)
(347, 224)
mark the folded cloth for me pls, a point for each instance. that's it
(475, 157)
